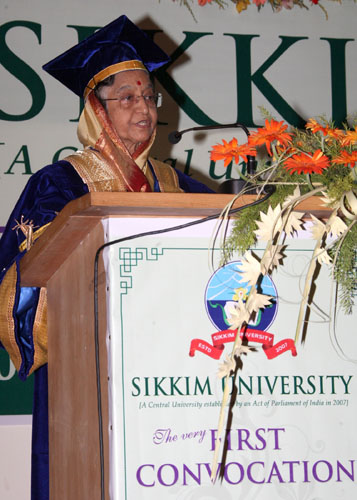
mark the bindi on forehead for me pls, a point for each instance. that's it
(138, 82)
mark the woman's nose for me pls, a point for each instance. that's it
(141, 103)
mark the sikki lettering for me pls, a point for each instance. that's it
(246, 47)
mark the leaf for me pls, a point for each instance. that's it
(328, 202)
(292, 197)
(348, 205)
(323, 257)
(337, 226)
(257, 301)
(269, 223)
(250, 269)
(237, 314)
(318, 228)
(294, 223)
(225, 368)
(272, 258)
(352, 200)
(242, 349)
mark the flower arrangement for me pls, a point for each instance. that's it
(318, 161)
(242, 5)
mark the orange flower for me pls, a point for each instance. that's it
(304, 163)
(315, 126)
(346, 158)
(335, 133)
(242, 5)
(350, 137)
(231, 150)
(273, 131)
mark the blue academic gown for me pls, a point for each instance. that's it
(47, 192)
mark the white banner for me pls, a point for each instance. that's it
(292, 424)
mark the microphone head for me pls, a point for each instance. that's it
(251, 164)
(174, 137)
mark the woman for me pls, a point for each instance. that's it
(117, 129)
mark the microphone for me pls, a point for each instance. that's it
(176, 136)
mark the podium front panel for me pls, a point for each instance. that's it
(292, 427)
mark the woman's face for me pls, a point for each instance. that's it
(132, 117)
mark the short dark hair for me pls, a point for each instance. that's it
(107, 82)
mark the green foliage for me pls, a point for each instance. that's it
(345, 270)
(266, 115)
(242, 236)
(338, 180)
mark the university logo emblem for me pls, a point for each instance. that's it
(226, 286)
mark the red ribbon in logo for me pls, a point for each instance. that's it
(215, 349)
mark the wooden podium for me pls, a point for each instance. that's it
(62, 261)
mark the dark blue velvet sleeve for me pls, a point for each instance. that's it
(46, 193)
(190, 185)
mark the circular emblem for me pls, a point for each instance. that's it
(226, 287)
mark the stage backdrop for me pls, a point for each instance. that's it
(225, 65)
(295, 63)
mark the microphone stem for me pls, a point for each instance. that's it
(210, 127)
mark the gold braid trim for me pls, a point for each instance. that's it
(40, 332)
(166, 176)
(96, 173)
(112, 70)
(7, 324)
(100, 176)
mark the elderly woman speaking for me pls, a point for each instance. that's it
(117, 128)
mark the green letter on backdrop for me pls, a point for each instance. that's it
(83, 32)
(172, 88)
(25, 161)
(22, 71)
(245, 80)
(338, 78)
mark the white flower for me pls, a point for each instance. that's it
(237, 314)
(250, 269)
(257, 301)
(294, 223)
(226, 367)
(269, 223)
(318, 228)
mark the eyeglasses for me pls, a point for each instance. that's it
(129, 100)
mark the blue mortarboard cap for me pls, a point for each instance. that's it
(119, 46)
